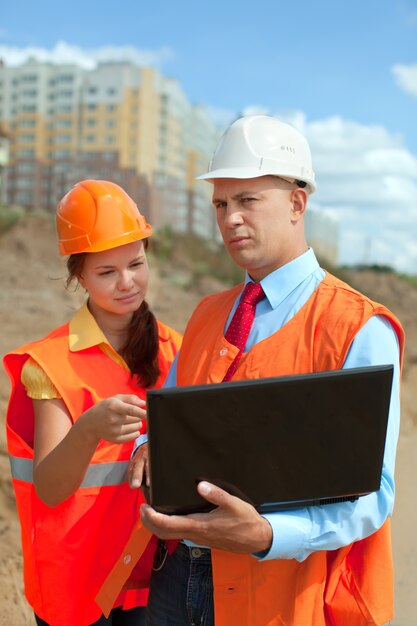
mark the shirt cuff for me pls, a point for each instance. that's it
(139, 442)
(291, 532)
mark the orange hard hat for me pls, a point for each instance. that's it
(97, 215)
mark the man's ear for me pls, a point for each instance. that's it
(299, 199)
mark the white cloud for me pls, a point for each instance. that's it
(369, 178)
(406, 77)
(295, 118)
(63, 52)
(220, 117)
(255, 109)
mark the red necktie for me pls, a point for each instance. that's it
(241, 323)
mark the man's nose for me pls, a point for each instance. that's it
(233, 216)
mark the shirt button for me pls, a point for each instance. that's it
(127, 558)
(224, 351)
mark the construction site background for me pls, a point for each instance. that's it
(33, 301)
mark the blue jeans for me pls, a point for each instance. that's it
(181, 589)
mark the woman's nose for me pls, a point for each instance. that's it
(125, 280)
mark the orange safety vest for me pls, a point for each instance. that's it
(352, 586)
(69, 549)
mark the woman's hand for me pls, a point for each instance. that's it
(63, 450)
(117, 419)
(138, 467)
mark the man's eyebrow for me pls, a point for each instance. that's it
(239, 195)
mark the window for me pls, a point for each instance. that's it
(66, 78)
(25, 167)
(29, 93)
(26, 154)
(59, 167)
(27, 123)
(29, 78)
(24, 182)
(23, 197)
(62, 154)
(63, 123)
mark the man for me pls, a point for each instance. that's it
(312, 566)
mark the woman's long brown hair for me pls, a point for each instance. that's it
(142, 345)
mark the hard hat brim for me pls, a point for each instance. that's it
(83, 243)
(231, 172)
(250, 172)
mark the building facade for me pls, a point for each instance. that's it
(118, 122)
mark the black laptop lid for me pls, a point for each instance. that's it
(276, 442)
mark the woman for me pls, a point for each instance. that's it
(76, 407)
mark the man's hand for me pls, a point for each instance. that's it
(234, 525)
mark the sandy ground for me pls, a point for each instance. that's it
(33, 301)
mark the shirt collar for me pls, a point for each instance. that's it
(84, 331)
(281, 282)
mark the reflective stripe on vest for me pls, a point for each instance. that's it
(98, 474)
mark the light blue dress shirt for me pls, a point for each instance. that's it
(299, 532)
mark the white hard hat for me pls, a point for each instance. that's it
(261, 145)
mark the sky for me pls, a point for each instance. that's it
(344, 73)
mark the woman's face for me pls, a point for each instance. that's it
(116, 279)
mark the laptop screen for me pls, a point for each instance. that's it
(277, 442)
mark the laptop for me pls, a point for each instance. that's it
(278, 443)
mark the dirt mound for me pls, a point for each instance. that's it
(34, 300)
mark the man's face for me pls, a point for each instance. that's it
(260, 220)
